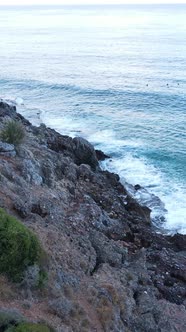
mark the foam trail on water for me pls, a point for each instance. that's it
(110, 143)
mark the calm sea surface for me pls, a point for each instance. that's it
(115, 75)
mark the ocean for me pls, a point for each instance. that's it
(115, 75)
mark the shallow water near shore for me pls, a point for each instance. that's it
(114, 75)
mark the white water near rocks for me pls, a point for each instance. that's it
(115, 75)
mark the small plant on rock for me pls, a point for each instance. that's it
(13, 132)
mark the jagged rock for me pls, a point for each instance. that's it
(56, 142)
(84, 152)
(174, 318)
(30, 172)
(5, 147)
(6, 109)
(85, 172)
(9, 111)
(137, 187)
(112, 177)
(71, 172)
(107, 251)
(101, 155)
(135, 207)
(22, 208)
(179, 242)
(7, 150)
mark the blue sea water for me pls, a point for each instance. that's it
(115, 75)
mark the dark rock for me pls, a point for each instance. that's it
(137, 187)
(85, 172)
(39, 209)
(56, 142)
(107, 251)
(84, 153)
(101, 155)
(112, 177)
(174, 318)
(71, 172)
(6, 109)
(179, 242)
(21, 208)
(134, 207)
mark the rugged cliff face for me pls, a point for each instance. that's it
(108, 269)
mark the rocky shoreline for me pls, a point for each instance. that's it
(108, 269)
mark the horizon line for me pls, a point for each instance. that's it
(92, 4)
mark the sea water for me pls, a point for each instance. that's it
(115, 75)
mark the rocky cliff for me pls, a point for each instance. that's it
(107, 267)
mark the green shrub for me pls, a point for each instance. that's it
(43, 278)
(10, 329)
(13, 132)
(29, 327)
(19, 247)
(7, 316)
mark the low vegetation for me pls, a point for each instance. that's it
(13, 133)
(29, 327)
(19, 247)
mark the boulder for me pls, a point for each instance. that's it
(6, 109)
(30, 172)
(7, 149)
(84, 153)
(134, 207)
(101, 155)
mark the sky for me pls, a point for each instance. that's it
(77, 2)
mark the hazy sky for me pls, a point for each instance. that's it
(69, 2)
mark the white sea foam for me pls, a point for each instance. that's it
(19, 101)
(64, 125)
(169, 211)
(110, 142)
(176, 206)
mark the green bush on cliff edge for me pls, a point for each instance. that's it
(13, 132)
(19, 247)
